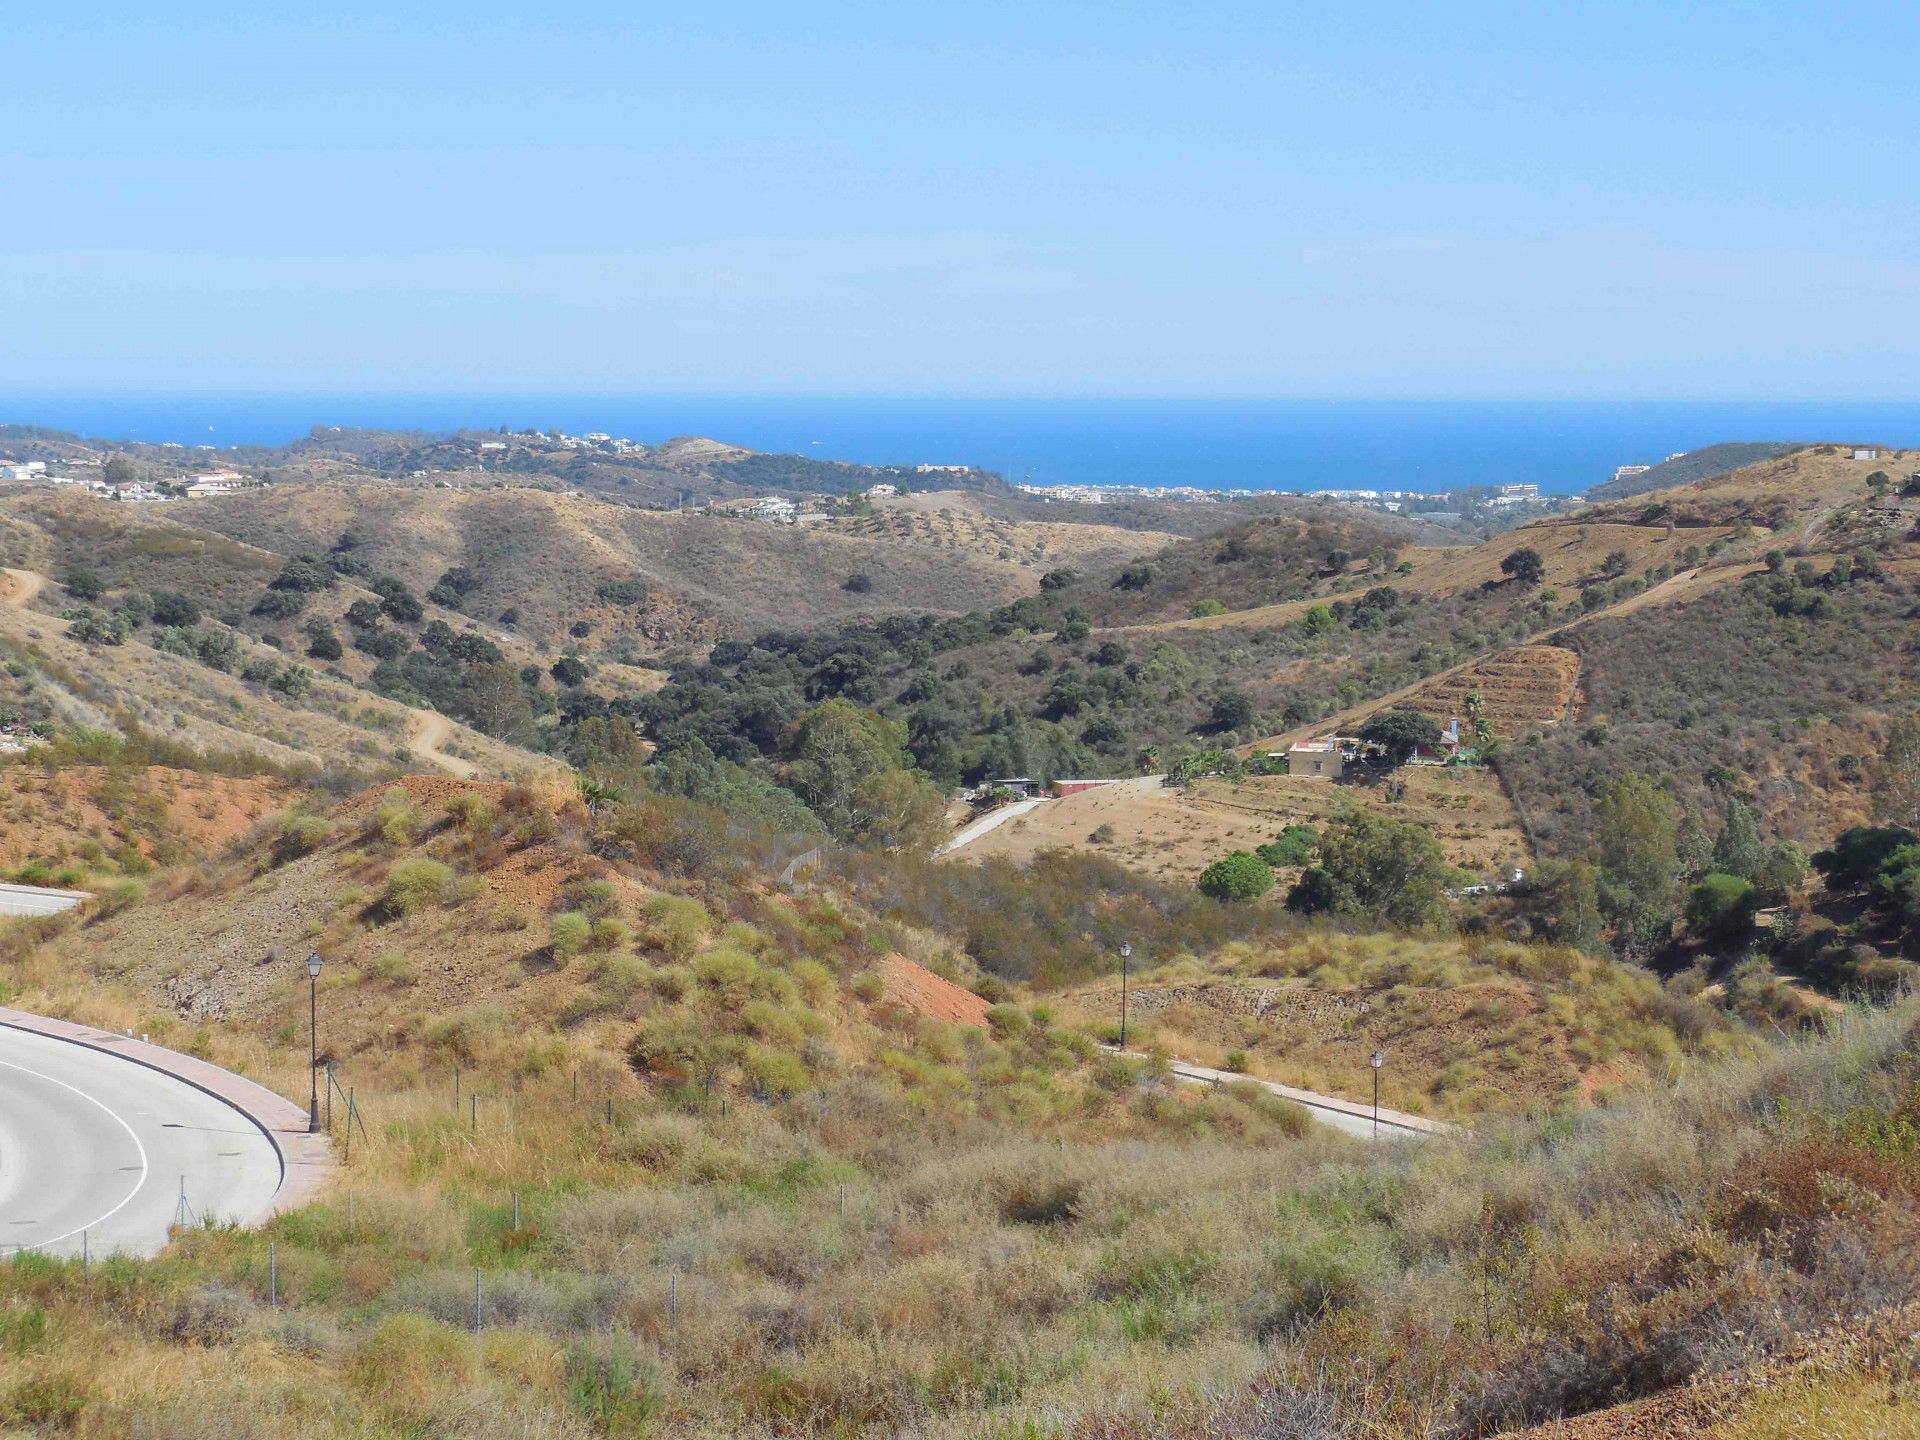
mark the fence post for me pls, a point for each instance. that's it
(673, 1305)
(456, 1088)
(473, 1112)
(516, 1209)
(330, 1084)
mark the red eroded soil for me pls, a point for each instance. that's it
(916, 988)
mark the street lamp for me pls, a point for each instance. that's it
(313, 1042)
(1376, 1060)
(1125, 952)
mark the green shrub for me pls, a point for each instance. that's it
(774, 1074)
(569, 933)
(1236, 877)
(1008, 1021)
(394, 968)
(727, 970)
(298, 835)
(608, 934)
(412, 884)
(396, 820)
(474, 814)
(869, 986)
(1236, 1061)
(677, 925)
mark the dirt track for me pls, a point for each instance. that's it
(22, 587)
(427, 731)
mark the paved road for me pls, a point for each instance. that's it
(1350, 1117)
(36, 900)
(91, 1141)
(992, 820)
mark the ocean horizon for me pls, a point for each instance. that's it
(1564, 447)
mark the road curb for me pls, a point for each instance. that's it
(307, 1165)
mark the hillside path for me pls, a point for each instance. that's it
(427, 731)
(1347, 1116)
(22, 587)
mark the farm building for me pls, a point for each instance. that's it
(1320, 759)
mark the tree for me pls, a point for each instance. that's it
(323, 644)
(1136, 576)
(1057, 580)
(118, 471)
(398, 601)
(1318, 620)
(858, 583)
(1400, 733)
(896, 809)
(1294, 845)
(1896, 778)
(570, 670)
(1524, 566)
(496, 701)
(1739, 850)
(1236, 877)
(170, 607)
(1616, 564)
(364, 614)
(1638, 851)
(835, 748)
(83, 584)
(91, 627)
(1231, 710)
(1380, 870)
(1074, 626)
(1720, 909)
(1572, 893)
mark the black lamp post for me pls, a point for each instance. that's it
(313, 1042)
(1126, 951)
(1376, 1060)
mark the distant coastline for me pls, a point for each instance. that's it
(1563, 447)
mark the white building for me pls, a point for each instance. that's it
(1866, 453)
(1627, 472)
(942, 469)
(771, 508)
(220, 482)
(882, 491)
(23, 470)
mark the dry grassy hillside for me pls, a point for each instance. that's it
(74, 816)
(1470, 1029)
(180, 700)
(714, 1184)
(962, 522)
(548, 556)
(1173, 833)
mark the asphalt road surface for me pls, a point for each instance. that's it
(96, 1143)
(37, 900)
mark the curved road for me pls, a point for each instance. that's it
(90, 1141)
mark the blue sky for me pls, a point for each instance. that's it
(1493, 200)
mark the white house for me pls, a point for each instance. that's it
(23, 470)
(1866, 453)
(882, 491)
(771, 508)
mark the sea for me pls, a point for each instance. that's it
(1225, 444)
